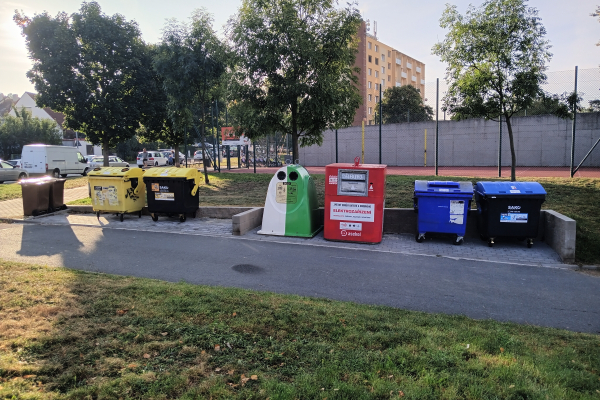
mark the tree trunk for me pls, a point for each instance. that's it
(513, 156)
(105, 153)
(176, 148)
(295, 152)
(206, 180)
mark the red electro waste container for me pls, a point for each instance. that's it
(354, 201)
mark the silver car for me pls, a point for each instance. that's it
(10, 173)
(113, 161)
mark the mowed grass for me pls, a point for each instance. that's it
(74, 335)
(9, 191)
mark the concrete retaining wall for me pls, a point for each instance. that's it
(540, 141)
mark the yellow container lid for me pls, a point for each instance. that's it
(172, 172)
(117, 172)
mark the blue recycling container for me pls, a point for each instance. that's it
(509, 210)
(442, 207)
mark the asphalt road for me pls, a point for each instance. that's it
(558, 298)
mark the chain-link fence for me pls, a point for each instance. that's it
(422, 137)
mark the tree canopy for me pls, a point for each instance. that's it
(22, 129)
(189, 62)
(496, 56)
(91, 67)
(404, 104)
(295, 68)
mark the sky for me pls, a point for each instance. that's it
(410, 26)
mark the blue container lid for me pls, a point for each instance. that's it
(444, 187)
(509, 188)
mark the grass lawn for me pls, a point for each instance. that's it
(74, 335)
(574, 198)
(10, 191)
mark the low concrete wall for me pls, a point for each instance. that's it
(246, 221)
(220, 212)
(560, 233)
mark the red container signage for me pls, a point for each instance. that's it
(354, 202)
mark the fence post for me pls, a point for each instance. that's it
(574, 123)
(336, 146)
(437, 122)
(500, 149)
(380, 119)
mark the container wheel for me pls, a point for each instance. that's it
(490, 242)
(154, 217)
(35, 213)
(140, 214)
(459, 241)
(529, 243)
(121, 217)
(98, 215)
(420, 237)
(182, 218)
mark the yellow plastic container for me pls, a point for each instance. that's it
(117, 190)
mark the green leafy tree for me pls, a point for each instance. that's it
(22, 129)
(496, 56)
(91, 67)
(295, 68)
(189, 61)
(403, 104)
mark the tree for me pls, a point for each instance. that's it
(496, 56)
(22, 129)
(189, 61)
(596, 14)
(91, 67)
(404, 104)
(295, 63)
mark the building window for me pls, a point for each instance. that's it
(370, 110)
(376, 99)
(389, 78)
(369, 97)
(369, 71)
(376, 74)
(389, 66)
(376, 49)
(369, 45)
(389, 54)
(370, 59)
(383, 70)
(369, 85)
(376, 60)
(376, 86)
(383, 57)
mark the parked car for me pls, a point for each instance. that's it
(55, 160)
(90, 157)
(11, 173)
(15, 163)
(113, 161)
(166, 152)
(155, 158)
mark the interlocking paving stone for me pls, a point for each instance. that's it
(511, 252)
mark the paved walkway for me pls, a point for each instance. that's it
(509, 252)
(14, 208)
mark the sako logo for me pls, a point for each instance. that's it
(514, 207)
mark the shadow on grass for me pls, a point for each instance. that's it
(81, 335)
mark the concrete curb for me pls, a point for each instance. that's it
(244, 222)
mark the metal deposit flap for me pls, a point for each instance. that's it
(353, 182)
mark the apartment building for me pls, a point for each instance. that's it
(381, 64)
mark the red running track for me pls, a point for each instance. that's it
(480, 172)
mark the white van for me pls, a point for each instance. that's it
(55, 160)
